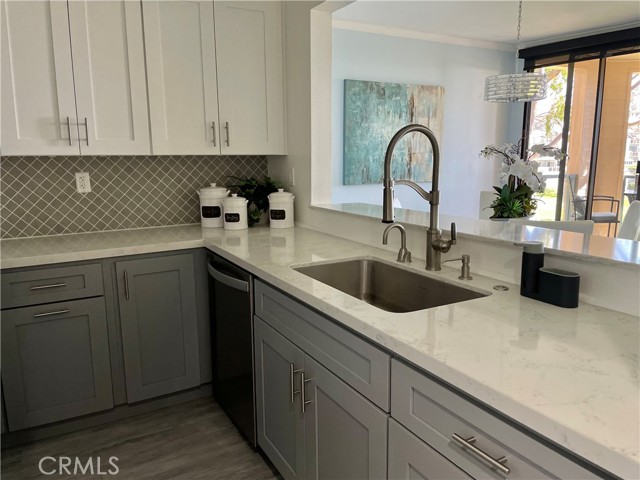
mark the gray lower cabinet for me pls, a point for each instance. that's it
(412, 459)
(280, 420)
(55, 362)
(157, 303)
(338, 434)
(345, 434)
(476, 440)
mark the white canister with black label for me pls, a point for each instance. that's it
(235, 212)
(211, 206)
(281, 209)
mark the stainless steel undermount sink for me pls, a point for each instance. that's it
(386, 286)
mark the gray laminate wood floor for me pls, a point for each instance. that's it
(193, 440)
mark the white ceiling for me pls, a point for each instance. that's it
(496, 21)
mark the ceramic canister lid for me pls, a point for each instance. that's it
(234, 201)
(214, 192)
(281, 196)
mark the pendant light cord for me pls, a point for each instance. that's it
(518, 36)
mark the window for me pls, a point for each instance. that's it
(592, 112)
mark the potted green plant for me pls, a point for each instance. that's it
(520, 178)
(256, 191)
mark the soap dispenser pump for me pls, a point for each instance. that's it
(532, 262)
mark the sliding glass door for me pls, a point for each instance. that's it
(592, 112)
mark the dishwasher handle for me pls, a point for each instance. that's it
(227, 280)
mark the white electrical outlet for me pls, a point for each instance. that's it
(292, 177)
(83, 184)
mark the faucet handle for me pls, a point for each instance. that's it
(454, 233)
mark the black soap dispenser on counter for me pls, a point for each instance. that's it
(549, 285)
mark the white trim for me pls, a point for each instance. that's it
(418, 35)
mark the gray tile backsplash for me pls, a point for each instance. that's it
(38, 194)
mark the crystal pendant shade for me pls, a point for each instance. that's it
(519, 86)
(515, 87)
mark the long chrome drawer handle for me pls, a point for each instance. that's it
(292, 372)
(468, 443)
(46, 314)
(303, 399)
(43, 287)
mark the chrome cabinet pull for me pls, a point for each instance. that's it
(213, 128)
(469, 443)
(43, 287)
(126, 285)
(303, 399)
(226, 127)
(292, 372)
(86, 130)
(46, 314)
(69, 130)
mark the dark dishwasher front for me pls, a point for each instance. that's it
(231, 307)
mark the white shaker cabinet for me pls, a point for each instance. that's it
(73, 78)
(108, 66)
(250, 77)
(215, 77)
(181, 63)
(38, 104)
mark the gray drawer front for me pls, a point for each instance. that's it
(357, 362)
(412, 459)
(46, 285)
(434, 413)
(55, 362)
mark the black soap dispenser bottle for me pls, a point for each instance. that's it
(549, 285)
(532, 262)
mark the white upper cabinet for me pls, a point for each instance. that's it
(250, 77)
(215, 90)
(108, 61)
(181, 66)
(38, 105)
(46, 96)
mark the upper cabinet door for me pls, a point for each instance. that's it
(38, 104)
(250, 77)
(181, 65)
(108, 60)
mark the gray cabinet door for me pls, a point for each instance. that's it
(345, 434)
(412, 459)
(157, 302)
(352, 359)
(55, 362)
(279, 414)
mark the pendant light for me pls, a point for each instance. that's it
(518, 86)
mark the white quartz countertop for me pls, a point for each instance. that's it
(571, 375)
(593, 248)
(26, 252)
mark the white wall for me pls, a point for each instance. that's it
(470, 123)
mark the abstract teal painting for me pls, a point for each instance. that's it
(373, 112)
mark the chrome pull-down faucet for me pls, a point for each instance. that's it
(436, 245)
(404, 255)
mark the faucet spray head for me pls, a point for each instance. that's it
(387, 202)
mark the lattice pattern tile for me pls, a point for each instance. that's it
(38, 194)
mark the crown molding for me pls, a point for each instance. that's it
(418, 35)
